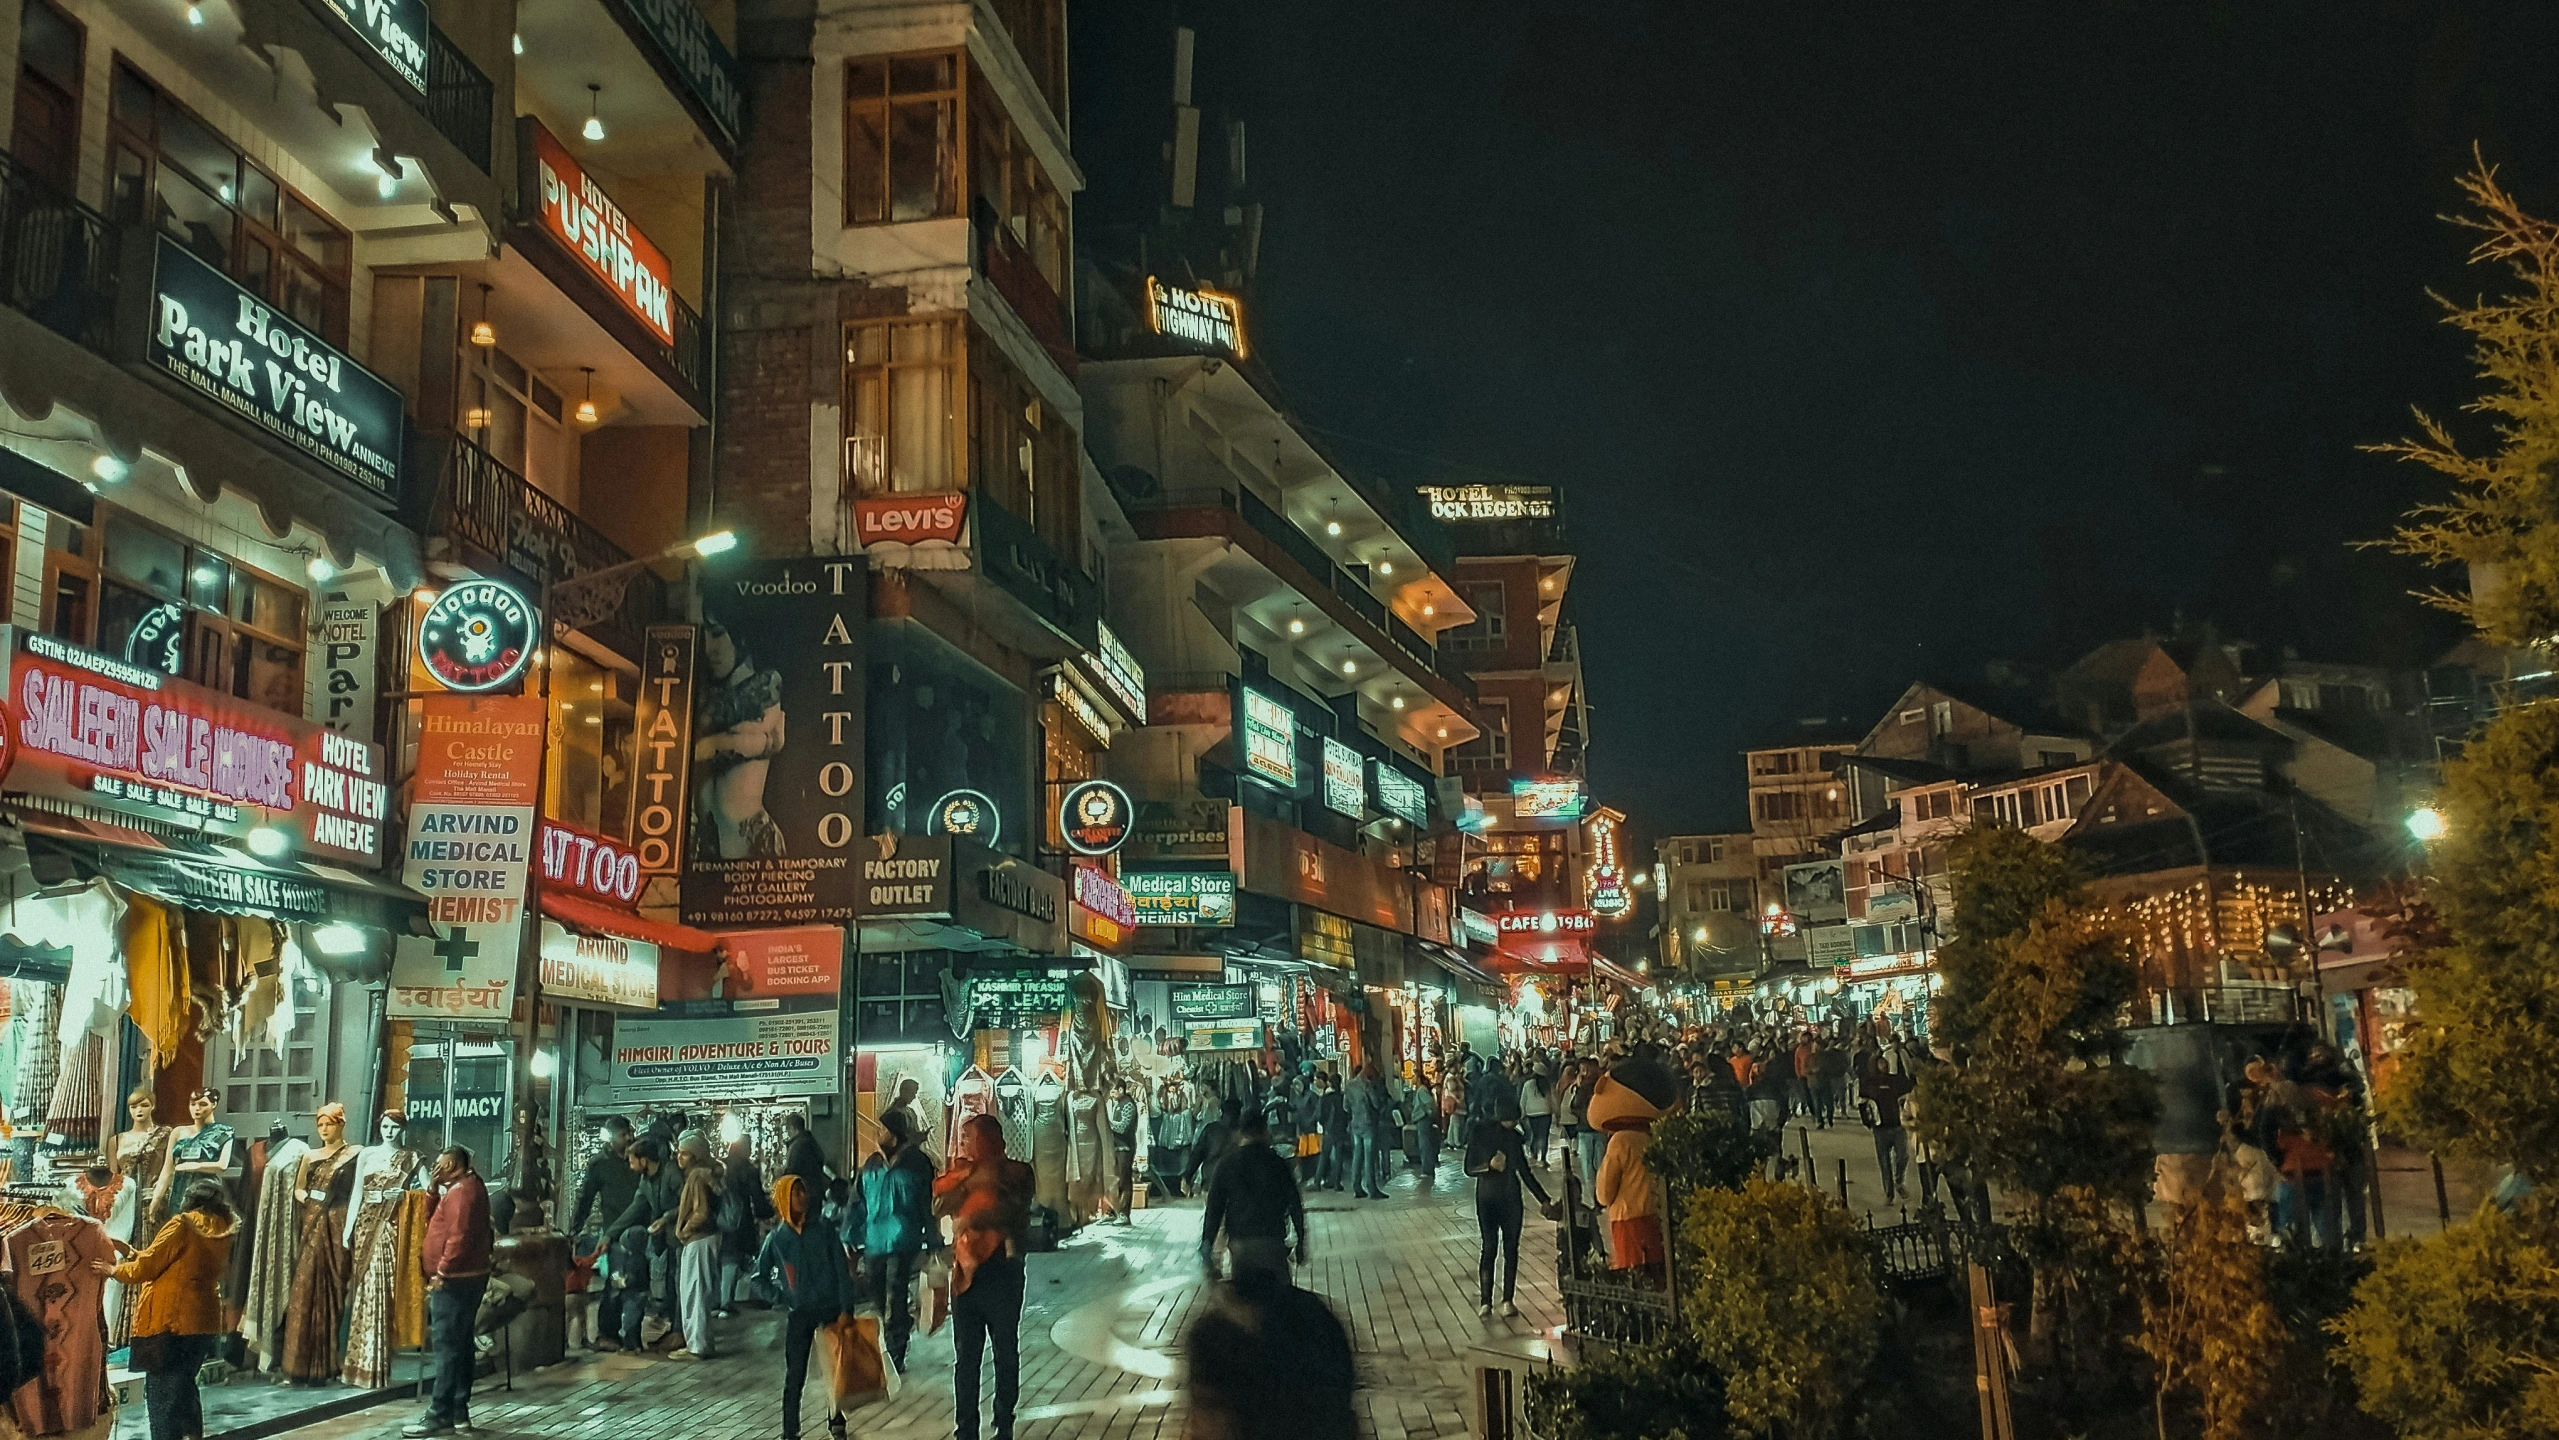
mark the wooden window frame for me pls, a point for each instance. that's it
(337, 288)
(200, 621)
(954, 182)
(953, 361)
(68, 184)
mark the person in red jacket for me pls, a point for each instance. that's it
(456, 1256)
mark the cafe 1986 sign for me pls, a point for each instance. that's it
(225, 343)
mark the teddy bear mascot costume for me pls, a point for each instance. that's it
(1637, 1091)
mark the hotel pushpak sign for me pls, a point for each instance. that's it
(576, 212)
(246, 356)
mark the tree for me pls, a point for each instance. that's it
(1783, 1305)
(2208, 1323)
(1661, 1392)
(1712, 1147)
(2453, 1337)
(2039, 1100)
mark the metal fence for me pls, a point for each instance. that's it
(57, 259)
(460, 101)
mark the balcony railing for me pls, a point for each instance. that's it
(692, 353)
(1008, 266)
(460, 102)
(487, 506)
(57, 259)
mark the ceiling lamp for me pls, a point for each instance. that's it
(594, 118)
(1397, 702)
(483, 333)
(1350, 667)
(1385, 567)
(1296, 626)
(586, 406)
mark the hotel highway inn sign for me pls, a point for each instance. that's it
(251, 359)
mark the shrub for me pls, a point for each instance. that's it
(1664, 1392)
(2456, 1336)
(1709, 1149)
(1783, 1304)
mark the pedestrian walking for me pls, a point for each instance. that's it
(697, 1239)
(178, 1315)
(1592, 1142)
(605, 1189)
(1171, 1126)
(744, 1207)
(801, 1155)
(1879, 1094)
(801, 1270)
(1254, 1205)
(894, 1212)
(1367, 1111)
(1332, 1120)
(637, 1234)
(1498, 1159)
(1268, 1361)
(1423, 1104)
(455, 1254)
(1536, 1114)
(987, 1195)
(1216, 1140)
(1119, 1112)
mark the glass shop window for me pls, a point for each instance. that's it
(187, 611)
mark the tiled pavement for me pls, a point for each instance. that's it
(1100, 1339)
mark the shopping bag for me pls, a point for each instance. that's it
(858, 1370)
(933, 1294)
(1310, 1145)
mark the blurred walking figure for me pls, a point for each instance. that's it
(1254, 1201)
(802, 1272)
(1499, 1163)
(1269, 1361)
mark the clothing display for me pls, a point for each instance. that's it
(315, 1306)
(47, 1255)
(35, 1017)
(274, 1236)
(88, 922)
(134, 1158)
(155, 964)
(384, 1178)
(1013, 1109)
(73, 1114)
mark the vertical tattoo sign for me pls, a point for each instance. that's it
(664, 719)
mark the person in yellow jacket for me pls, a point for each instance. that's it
(179, 1315)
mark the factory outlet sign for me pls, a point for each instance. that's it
(396, 30)
(906, 877)
(228, 345)
(576, 212)
(92, 729)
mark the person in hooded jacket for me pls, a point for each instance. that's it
(179, 1315)
(891, 1223)
(803, 1271)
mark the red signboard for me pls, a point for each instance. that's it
(1103, 896)
(1545, 922)
(908, 519)
(590, 864)
(578, 214)
(93, 729)
(808, 960)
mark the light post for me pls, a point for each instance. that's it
(571, 604)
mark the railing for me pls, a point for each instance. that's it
(1930, 1248)
(691, 355)
(57, 259)
(487, 506)
(460, 102)
(1617, 1307)
(1411, 642)
(1016, 277)
(1348, 586)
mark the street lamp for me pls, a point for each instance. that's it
(2426, 823)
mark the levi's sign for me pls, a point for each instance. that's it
(232, 347)
(907, 519)
(577, 213)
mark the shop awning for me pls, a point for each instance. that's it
(1611, 970)
(580, 913)
(1464, 970)
(198, 874)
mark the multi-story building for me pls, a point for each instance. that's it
(1708, 889)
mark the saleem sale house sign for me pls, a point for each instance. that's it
(224, 343)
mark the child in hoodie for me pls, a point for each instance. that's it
(802, 1271)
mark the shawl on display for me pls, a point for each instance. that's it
(155, 960)
(271, 1256)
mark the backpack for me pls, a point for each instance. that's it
(731, 1214)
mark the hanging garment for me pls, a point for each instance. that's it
(373, 1267)
(316, 1303)
(89, 922)
(408, 1292)
(973, 1094)
(135, 1217)
(155, 958)
(79, 1097)
(1013, 1108)
(48, 1259)
(35, 1014)
(275, 1236)
(1048, 1145)
(1088, 1157)
(261, 996)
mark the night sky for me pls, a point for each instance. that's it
(1869, 342)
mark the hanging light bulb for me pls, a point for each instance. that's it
(586, 406)
(195, 14)
(1296, 627)
(483, 333)
(519, 44)
(594, 118)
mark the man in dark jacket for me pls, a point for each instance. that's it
(455, 1254)
(1216, 1140)
(1254, 1201)
(802, 1271)
(1269, 1361)
(744, 1207)
(641, 1232)
(801, 1155)
(604, 1191)
(891, 1223)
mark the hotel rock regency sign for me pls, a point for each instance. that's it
(578, 214)
(89, 729)
(234, 349)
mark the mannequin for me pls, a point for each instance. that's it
(1085, 1052)
(136, 1157)
(324, 1180)
(385, 1174)
(201, 1149)
(262, 1253)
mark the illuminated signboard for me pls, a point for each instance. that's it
(1119, 672)
(909, 519)
(1103, 896)
(1545, 922)
(396, 30)
(1202, 317)
(1401, 796)
(1270, 740)
(1561, 798)
(589, 864)
(577, 213)
(965, 812)
(92, 729)
(475, 637)
(1483, 504)
(1071, 699)
(1094, 817)
(1181, 897)
(1345, 779)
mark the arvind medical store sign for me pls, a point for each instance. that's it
(578, 214)
(124, 738)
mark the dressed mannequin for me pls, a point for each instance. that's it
(135, 1157)
(322, 1185)
(1085, 1052)
(385, 1174)
(262, 1262)
(201, 1149)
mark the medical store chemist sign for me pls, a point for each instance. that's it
(228, 345)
